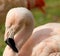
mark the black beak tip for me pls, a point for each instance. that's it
(11, 43)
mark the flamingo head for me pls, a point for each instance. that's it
(15, 20)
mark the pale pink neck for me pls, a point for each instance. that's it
(27, 48)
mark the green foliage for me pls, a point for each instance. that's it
(2, 44)
(52, 15)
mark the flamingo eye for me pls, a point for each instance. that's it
(8, 26)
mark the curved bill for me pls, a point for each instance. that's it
(11, 43)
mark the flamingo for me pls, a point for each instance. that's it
(23, 39)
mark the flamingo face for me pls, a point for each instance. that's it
(9, 34)
(12, 25)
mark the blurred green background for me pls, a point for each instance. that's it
(53, 15)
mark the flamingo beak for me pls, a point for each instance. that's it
(11, 43)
